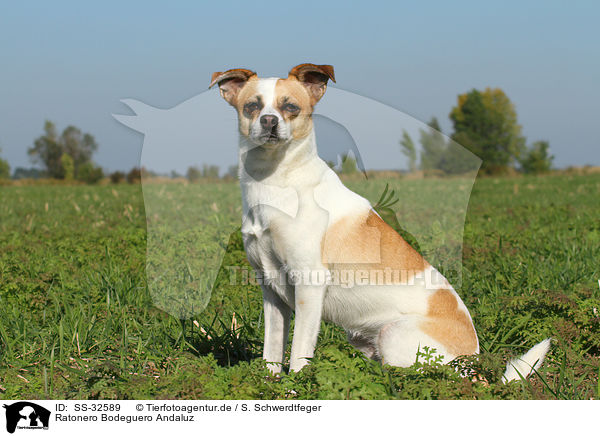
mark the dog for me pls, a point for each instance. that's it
(303, 229)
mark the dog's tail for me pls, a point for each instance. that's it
(521, 367)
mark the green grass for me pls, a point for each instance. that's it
(78, 319)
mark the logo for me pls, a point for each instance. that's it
(358, 133)
(26, 415)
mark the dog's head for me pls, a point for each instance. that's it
(274, 111)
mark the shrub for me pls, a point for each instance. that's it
(68, 166)
(4, 169)
(117, 177)
(193, 174)
(349, 165)
(537, 159)
(28, 173)
(134, 176)
(90, 173)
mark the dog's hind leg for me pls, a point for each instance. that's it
(399, 342)
(367, 346)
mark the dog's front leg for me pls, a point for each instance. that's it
(277, 325)
(309, 306)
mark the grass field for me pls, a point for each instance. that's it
(77, 320)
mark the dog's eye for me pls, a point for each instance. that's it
(291, 108)
(251, 107)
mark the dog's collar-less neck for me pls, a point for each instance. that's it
(260, 163)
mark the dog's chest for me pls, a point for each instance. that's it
(282, 227)
(263, 205)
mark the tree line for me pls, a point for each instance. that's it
(484, 122)
(68, 156)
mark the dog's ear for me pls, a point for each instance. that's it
(314, 78)
(230, 82)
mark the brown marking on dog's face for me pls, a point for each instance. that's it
(449, 325)
(366, 242)
(293, 102)
(249, 103)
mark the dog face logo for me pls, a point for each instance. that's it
(26, 415)
(273, 114)
(274, 111)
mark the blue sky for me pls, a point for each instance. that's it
(72, 62)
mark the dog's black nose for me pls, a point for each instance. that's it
(268, 121)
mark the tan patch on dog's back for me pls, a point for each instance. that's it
(367, 243)
(449, 325)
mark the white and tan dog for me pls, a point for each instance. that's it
(303, 230)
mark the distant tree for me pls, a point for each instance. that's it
(90, 173)
(47, 151)
(117, 177)
(68, 166)
(49, 148)
(485, 122)
(433, 144)
(193, 174)
(349, 164)
(409, 150)
(457, 160)
(4, 169)
(80, 146)
(146, 173)
(210, 171)
(537, 159)
(175, 175)
(28, 173)
(134, 176)
(233, 171)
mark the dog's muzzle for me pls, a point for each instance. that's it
(269, 125)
